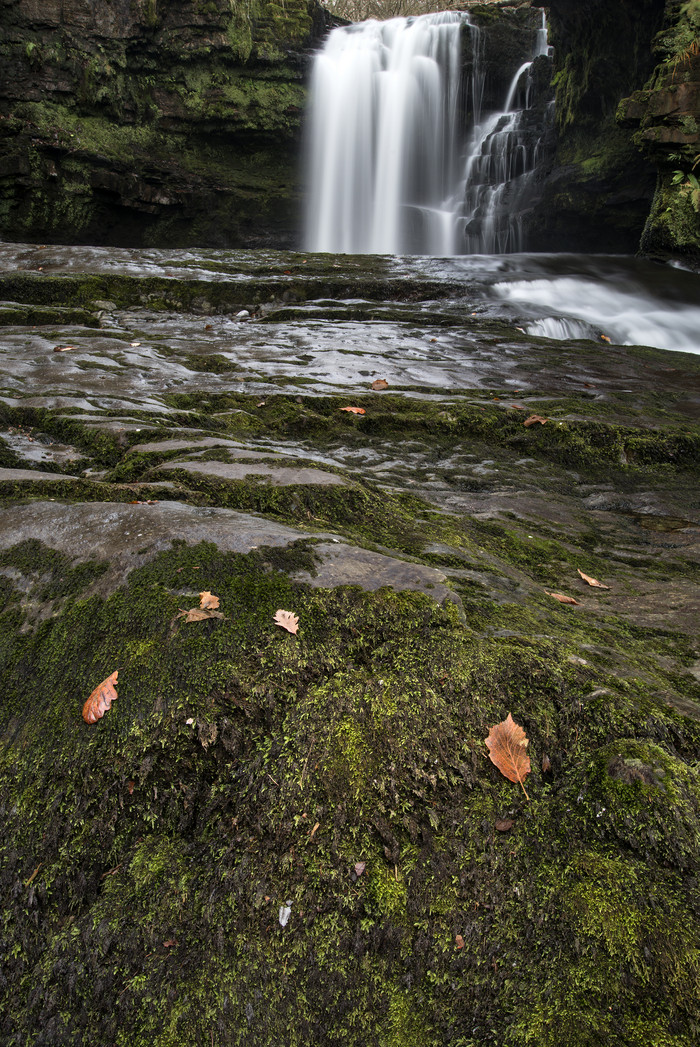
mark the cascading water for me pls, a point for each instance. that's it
(387, 167)
(385, 136)
(502, 160)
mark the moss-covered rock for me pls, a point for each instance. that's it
(274, 838)
(153, 123)
(625, 78)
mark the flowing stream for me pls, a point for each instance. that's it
(402, 159)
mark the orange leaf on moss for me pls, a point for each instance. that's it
(507, 742)
(101, 699)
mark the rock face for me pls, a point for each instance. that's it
(141, 122)
(612, 99)
(666, 114)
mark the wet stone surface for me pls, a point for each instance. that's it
(418, 537)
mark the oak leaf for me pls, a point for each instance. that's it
(353, 410)
(287, 620)
(592, 581)
(207, 604)
(561, 597)
(380, 383)
(506, 742)
(208, 601)
(101, 699)
(533, 419)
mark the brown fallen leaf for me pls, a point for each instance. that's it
(198, 614)
(459, 941)
(592, 581)
(561, 597)
(287, 620)
(313, 831)
(62, 348)
(169, 943)
(360, 868)
(504, 825)
(506, 742)
(380, 383)
(101, 699)
(353, 410)
(546, 764)
(533, 419)
(207, 601)
(130, 787)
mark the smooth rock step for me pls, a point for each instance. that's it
(284, 476)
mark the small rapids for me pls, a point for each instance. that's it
(623, 311)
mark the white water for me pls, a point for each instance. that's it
(384, 136)
(625, 315)
(502, 159)
(389, 171)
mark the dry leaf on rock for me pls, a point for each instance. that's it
(287, 620)
(62, 348)
(506, 743)
(353, 410)
(561, 597)
(198, 614)
(207, 604)
(380, 383)
(533, 419)
(592, 581)
(101, 699)
(207, 601)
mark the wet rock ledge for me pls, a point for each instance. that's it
(274, 838)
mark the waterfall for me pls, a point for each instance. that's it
(391, 169)
(502, 159)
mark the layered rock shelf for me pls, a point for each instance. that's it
(274, 838)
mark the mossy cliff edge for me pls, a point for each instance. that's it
(627, 80)
(274, 839)
(141, 121)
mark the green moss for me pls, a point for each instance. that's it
(192, 807)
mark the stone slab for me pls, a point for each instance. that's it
(278, 476)
(342, 564)
(13, 475)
